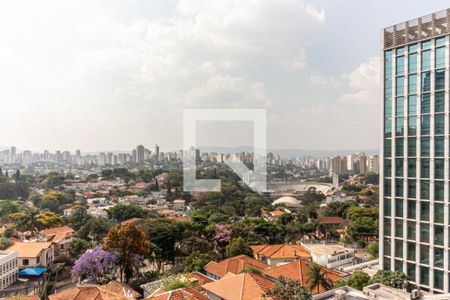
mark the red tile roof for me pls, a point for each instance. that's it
(277, 213)
(300, 270)
(110, 291)
(58, 234)
(280, 251)
(233, 265)
(199, 277)
(179, 294)
(332, 220)
(129, 221)
(244, 286)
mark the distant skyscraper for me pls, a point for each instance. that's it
(134, 155)
(27, 157)
(362, 164)
(140, 154)
(58, 156)
(13, 154)
(374, 164)
(66, 156)
(101, 159)
(156, 152)
(109, 158)
(414, 189)
(338, 165)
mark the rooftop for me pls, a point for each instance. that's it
(379, 292)
(29, 249)
(336, 294)
(326, 249)
(244, 286)
(58, 234)
(280, 251)
(178, 294)
(300, 271)
(110, 291)
(423, 28)
(233, 265)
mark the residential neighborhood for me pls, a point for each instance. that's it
(224, 150)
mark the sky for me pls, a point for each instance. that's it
(109, 75)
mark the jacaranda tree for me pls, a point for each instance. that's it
(94, 266)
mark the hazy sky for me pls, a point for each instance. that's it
(108, 75)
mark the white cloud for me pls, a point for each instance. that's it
(325, 81)
(112, 74)
(364, 83)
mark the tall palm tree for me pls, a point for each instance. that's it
(318, 278)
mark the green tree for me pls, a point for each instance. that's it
(313, 196)
(33, 221)
(357, 280)
(79, 217)
(363, 227)
(164, 234)
(94, 230)
(355, 212)
(78, 247)
(123, 212)
(372, 249)
(196, 261)
(371, 178)
(5, 243)
(287, 289)
(238, 246)
(53, 180)
(129, 242)
(395, 279)
(317, 278)
(8, 207)
(48, 220)
(251, 269)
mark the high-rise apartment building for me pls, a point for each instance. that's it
(140, 154)
(338, 165)
(414, 164)
(373, 164)
(156, 153)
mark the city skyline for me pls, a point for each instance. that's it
(111, 82)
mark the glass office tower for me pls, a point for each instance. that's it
(414, 185)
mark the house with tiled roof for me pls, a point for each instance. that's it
(217, 270)
(111, 291)
(274, 255)
(196, 279)
(334, 221)
(178, 294)
(331, 255)
(300, 271)
(61, 236)
(199, 278)
(33, 254)
(243, 286)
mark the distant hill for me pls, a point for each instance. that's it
(291, 153)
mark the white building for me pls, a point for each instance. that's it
(96, 201)
(330, 255)
(179, 204)
(33, 254)
(9, 268)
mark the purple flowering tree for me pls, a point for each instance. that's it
(222, 234)
(94, 265)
